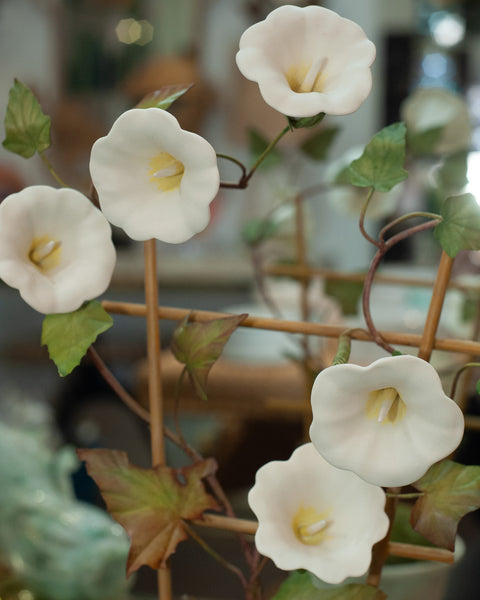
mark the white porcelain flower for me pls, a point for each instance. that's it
(388, 422)
(153, 179)
(307, 61)
(316, 517)
(55, 248)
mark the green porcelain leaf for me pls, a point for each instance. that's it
(451, 490)
(317, 146)
(299, 586)
(69, 335)
(460, 227)
(198, 346)
(150, 504)
(27, 128)
(164, 97)
(381, 164)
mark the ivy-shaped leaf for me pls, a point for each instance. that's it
(198, 345)
(451, 490)
(423, 143)
(164, 97)
(69, 335)
(27, 128)
(257, 145)
(381, 164)
(299, 586)
(150, 504)
(460, 227)
(317, 146)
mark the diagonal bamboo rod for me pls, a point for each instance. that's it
(435, 308)
(394, 548)
(155, 385)
(333, 331)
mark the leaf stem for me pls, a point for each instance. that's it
(214, 554)
(242, 183)
(399, 220)
(361, 222)
(52, 170)
(407, 496)
(457, 376)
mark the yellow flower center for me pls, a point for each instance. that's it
(307, 77)
(44, 253)
(385, 406)
(309, 525)
(166, 171)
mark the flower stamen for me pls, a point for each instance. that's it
(313, 80)
(385, 405)
(309, 526)
(44, 253)
(166, 171)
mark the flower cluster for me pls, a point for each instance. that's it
(153, 179)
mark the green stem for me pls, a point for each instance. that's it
(52, 170)
(457, 376)
(399, 220)
(344, 346)
(265, 153)
(214, 554)
(361, 223)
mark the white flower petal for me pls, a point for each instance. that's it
(384, 453)
(353, 511)
(83, 265)
(129, 184)
(307, 61)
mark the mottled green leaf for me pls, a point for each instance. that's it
(198, 346)
(69, 335)
(257, 145)
(451, 490)
(150, 503)
(164, 97)
(347, 294)
(421, 143)
(299, 586)
(460, 227)
(318, 145)
(305, 122)
(27, 128)
(381, 164)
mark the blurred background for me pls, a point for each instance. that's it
(89, 60)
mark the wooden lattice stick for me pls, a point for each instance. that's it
(394, 548)
(331, 331)
(155, 385)
(436, 305)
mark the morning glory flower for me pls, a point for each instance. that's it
(153, 179)
(388, 422)
(55, 248)
(316, 517)
(307, 61)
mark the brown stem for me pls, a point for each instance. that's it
(361, 222)
(117, 387)
(382, 250)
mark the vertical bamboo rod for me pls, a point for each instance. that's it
(436, 305)
(155, 385)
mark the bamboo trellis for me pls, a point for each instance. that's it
(425, 342)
